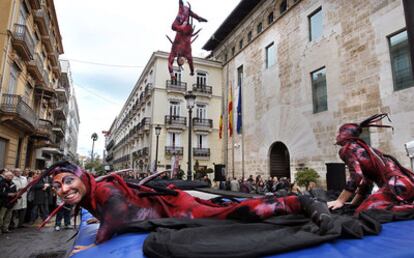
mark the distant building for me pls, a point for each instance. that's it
(156, 100)
(73, 120)
(306, 67)
(33, 106)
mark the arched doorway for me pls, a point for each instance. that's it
(279, 161)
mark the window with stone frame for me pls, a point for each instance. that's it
(233, 51)
(315, 24)
(270, 18)
(259, 27)
(401, 60)
(249, 36)
(270, 55)
(241, 44)
(283, 6)
(319, 90)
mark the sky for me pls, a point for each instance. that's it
(108, 43)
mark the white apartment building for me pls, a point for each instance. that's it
(156, 100)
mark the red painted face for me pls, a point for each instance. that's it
(69, 187)
(347, 131)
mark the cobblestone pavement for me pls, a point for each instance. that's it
(33, 243)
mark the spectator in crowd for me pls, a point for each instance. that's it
(260, 187)
(40, 198)
(234, 185)
(207, 180)
(7, 192)
(64, 214)
(19, 209)
(244, 186)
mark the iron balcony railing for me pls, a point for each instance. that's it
(23, 41)
(174, 85)
(44, 127)
(35, 68)
(199, 122)
(145, 151)
(41, 17)
(12, 103)
(204, 89)
(148, 90)
(201, 152)
(173, 150)
(175, 120)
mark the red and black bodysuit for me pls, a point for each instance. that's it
(368, 165)
(181, 46)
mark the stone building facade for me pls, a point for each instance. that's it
(305, 67)
(156, 100)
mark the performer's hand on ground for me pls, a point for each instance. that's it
(79, 248)
(92, 221)
(333, 205)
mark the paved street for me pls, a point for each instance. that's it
(32, 243)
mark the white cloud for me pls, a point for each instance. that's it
(120, 32)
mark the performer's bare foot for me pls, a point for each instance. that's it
(79, 248)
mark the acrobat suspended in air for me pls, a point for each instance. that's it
(184, 37)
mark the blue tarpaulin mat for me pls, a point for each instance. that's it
(395, 241)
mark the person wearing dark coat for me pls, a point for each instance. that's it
(40, 199)
(7, 192)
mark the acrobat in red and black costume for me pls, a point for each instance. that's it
(181, 46)
(117, 203)
(367, 166)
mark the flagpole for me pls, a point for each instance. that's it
(242, 119)
(225, 123)
(232, 128)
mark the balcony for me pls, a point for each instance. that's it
(59, 128)
(35, 4)
(42, 20)
(175, 122)
(35, 68)
(110, 145)
(201, 153)
(54, 58)
(148, 90)
(202, 90)
(109, 157)
(57, 69)
(13, 108)
(145, 151)
(61, 112)
(44, 129)
(176, 86)
(145, 124)
(23, 42)
(171, 150)
(62, 94)
(202, 125)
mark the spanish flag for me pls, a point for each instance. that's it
(230, 111)
(221, 126)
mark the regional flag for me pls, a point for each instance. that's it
(221, 126)
(239, 111)
(230, 111)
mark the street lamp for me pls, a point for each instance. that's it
(94, 138)
(190, 98)
(157, 133)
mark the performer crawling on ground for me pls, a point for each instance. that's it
(367, 166)
(116, 203)
(181, 46)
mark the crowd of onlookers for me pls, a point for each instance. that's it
(258, 185)
(32, 205)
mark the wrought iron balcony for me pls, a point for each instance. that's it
(176, 86)
(148, 90)
(41, 18)
(145, 151)
(109, 157)
(146, 123)
(61, 112)
(62, 94)
(23, 42)
(57, 69)
(35, 68)
(173, 150)
(175, 122)
(44, 129)
(202, 90)
(53, 57)
(202, 124)
(35, 4)
(110, 145)
(59, 128)
(19, 110)
(201, 152)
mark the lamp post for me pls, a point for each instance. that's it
(94, 138)
(157, 133)
(190, 98)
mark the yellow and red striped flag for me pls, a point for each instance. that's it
(221, 126)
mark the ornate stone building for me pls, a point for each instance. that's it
(305, 67)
